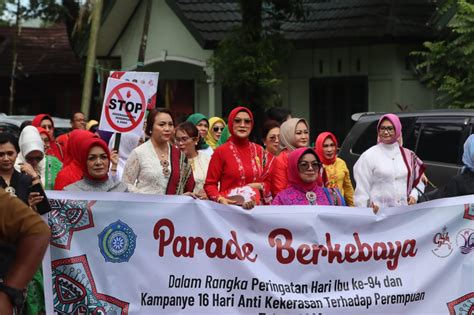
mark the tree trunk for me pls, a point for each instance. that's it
(90, 64)
(251, 11)
(146, 23)
(11, 100)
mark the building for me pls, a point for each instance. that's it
(48, 72)
(351, 55)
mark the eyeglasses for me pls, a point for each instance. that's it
(216, 129)
(238, 121)
(389, 129)
(181, 139)
(304, 166)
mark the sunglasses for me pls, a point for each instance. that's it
(247, 121)
(216, 129)
(304, 166)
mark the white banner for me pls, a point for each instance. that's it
(139, 254)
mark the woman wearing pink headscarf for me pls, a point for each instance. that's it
(303, 188)
(387, 174)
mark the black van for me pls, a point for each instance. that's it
(436, 136)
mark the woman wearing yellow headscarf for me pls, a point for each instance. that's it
(216, 126)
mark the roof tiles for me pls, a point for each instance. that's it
(40, 51)
(210, 20)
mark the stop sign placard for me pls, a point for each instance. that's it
(124, 107)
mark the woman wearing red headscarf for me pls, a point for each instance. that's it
(236, 174)
(46, 122)
(337, 173)
(72, 170)
(387, 174)
(94, 159)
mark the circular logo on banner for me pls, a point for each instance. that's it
(465, 240)
(117, 242)
(125, 107)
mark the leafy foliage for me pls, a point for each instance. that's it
(448, 64)
(49, 11)
(249, 60)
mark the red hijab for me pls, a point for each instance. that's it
(84, 150)
(72, 170)
(319, 147)
(230, 123)
(76, 137)
(36, 122)
(45, 132)
(293, 172)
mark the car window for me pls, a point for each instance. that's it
(440, 142)
(369, 137)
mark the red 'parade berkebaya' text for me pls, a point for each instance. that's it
(282, 240)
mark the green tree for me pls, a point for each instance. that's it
(49, 11)
(448, 63)
(249, 60)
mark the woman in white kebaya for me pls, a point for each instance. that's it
(387, 174)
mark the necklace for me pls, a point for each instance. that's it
(164, 160)
(311, 196)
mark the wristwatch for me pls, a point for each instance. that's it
(17, 296)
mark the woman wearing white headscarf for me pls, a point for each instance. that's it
(387, 174)
(32, 152)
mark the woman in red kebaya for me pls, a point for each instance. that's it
(236, 174)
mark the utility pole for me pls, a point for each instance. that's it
(144, 40)
(90, 63)
(11, 100)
